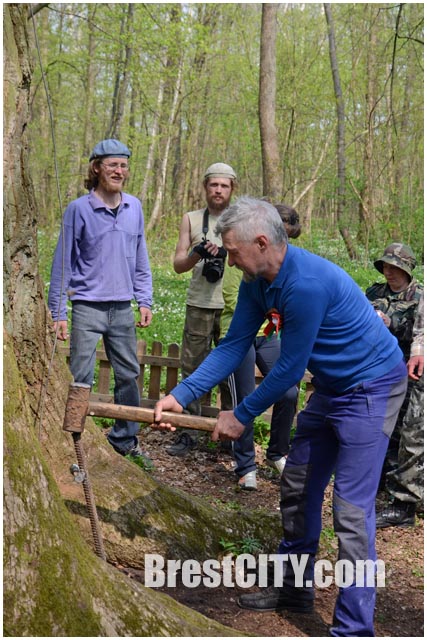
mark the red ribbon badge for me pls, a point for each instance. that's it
(275, 323)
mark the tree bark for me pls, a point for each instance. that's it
(160, 195)
(122, 74)
(366, 197)
(272, 184)
(341, 160)
(54, 585)
(148, 175)
(89, 86)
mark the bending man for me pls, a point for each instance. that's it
(360, 381)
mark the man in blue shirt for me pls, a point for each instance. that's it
(328, 327)
(101, 264)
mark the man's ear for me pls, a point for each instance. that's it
(262, 242)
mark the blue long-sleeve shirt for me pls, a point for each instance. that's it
(329, 328)
(100, 257)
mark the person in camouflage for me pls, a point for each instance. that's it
(397, 299)
(406, 483)
(396, 302)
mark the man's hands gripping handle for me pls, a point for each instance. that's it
(227, 426)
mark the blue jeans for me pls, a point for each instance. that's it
(264, 352)
(115, 322)
(347, 434)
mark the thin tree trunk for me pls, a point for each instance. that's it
(315, 175)
(121, 83)
(272, 184)
(90, 85)
(148, 176)
(341, 160)
(366, 197)
(157, 207)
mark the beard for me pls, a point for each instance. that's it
(110, 185)
(246, 277)
(217, 205)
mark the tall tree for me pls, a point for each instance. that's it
(341, 158)
(267, 103)
(218, 109)
(122, 73)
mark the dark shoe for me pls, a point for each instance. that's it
(274, 599)
(398, 514)
(182, 445)
(226, 446)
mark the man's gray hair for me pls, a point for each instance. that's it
(250, 217)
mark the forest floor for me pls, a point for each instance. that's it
(207, 472)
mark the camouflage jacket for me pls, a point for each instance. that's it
(400, 308)
(417, 347)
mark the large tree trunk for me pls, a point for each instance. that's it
(54, 585)
(272, 183)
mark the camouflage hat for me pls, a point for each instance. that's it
(398, 254)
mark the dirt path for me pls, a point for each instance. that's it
(207, 472)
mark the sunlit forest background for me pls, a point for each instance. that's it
(179, 83)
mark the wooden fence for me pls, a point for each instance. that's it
(159, 375)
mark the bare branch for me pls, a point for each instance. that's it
(35, 8)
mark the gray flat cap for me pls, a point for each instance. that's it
(220, 170)
(110, 147)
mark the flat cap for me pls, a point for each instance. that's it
(399, 255)
(110, 147)
(220, 170)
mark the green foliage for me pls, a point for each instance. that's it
(213, 49)
(238, 547)
(143, 463)
(261, 432)
(328, 541)
(170, 290)
(232, 505)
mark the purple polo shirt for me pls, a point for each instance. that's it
(100, 257)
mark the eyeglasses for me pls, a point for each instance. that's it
(113, 166)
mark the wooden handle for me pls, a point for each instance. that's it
(140, 414)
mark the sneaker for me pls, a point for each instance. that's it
(275, 599)
(182, 445)
(248, 482)
(279, 464)
(398, 514)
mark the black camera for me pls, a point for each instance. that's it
(213, 269)
(214, 265)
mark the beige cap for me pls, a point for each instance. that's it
(220, 170)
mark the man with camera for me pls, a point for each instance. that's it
(199, 250)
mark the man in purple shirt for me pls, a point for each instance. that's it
(101, 264)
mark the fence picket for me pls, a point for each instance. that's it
(160, 368)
